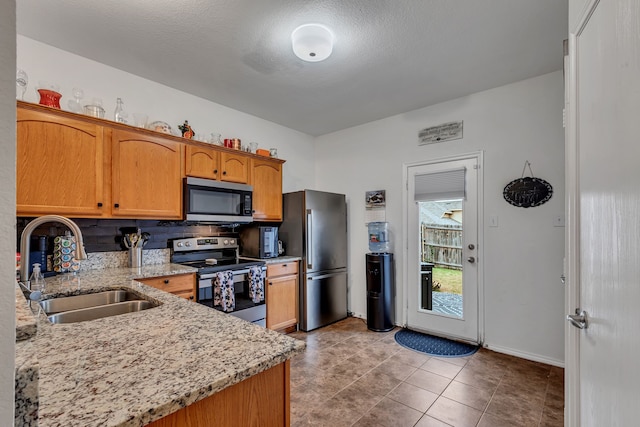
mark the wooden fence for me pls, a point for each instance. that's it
(441, 245)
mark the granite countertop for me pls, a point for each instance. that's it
(25, 320)
(284, 258)
(132, 369)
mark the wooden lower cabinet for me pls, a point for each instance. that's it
(182, 285)
(261, 400)
(282, 295)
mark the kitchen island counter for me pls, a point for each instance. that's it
(132, 369)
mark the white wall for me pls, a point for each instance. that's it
(7, 209)
(46, 63)
(523, 298)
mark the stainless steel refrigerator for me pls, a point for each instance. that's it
(315, 228)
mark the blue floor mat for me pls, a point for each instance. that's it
(432, 345)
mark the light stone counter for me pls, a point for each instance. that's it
(132, 369)
(25, 320)
(26, 384)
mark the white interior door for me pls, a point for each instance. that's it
(441, 181)
(603, 241)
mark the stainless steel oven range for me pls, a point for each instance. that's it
(211, 255)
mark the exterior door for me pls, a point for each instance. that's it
(603, 237)
(440, 307)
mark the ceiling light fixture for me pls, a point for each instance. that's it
(312, 42)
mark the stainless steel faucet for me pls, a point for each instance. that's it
(25, 241)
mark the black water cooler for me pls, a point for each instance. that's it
(380, 292)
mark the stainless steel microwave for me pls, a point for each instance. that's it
(207, 200)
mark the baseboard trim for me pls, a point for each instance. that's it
(525, 355)
(358, 315)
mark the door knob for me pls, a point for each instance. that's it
(471, 246)
(579, 320)
(471, 260)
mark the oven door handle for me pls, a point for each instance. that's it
(235, 273)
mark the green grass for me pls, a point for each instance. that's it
(450, 280)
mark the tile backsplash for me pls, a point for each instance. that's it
(104, 235)
(102, 260)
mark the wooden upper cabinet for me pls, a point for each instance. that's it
(60, 166)
(266, 179)
(202, 162)
(84, 167)
(146, 176)
(234, 167)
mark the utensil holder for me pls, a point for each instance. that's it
(135, 257)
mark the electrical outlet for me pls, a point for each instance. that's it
(558, 221)
(493, 220)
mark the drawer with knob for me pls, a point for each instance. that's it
(182, 285)
(282, 269)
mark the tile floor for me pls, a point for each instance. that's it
(350, 376)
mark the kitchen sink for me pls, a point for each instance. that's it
(57, 305)
(93, 306)
(100, 311)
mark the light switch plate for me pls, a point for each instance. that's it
(493, 220)
(558, 221)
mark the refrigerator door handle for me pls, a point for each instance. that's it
(324, 276)
(309, 239)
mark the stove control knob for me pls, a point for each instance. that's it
(226, 242)
(188, 244)
(179, 244)
(232, 241)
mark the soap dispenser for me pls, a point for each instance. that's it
(36, 281)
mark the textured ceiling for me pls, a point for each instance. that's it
(390, 56)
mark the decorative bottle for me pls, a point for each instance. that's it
(119, 115)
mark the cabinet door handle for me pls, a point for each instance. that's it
(215, 171)
(117, 205)
(224, 172)
(191, 297)
(99, 204)
(270, 283)
(166, 281)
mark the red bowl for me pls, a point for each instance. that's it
(50, 98)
